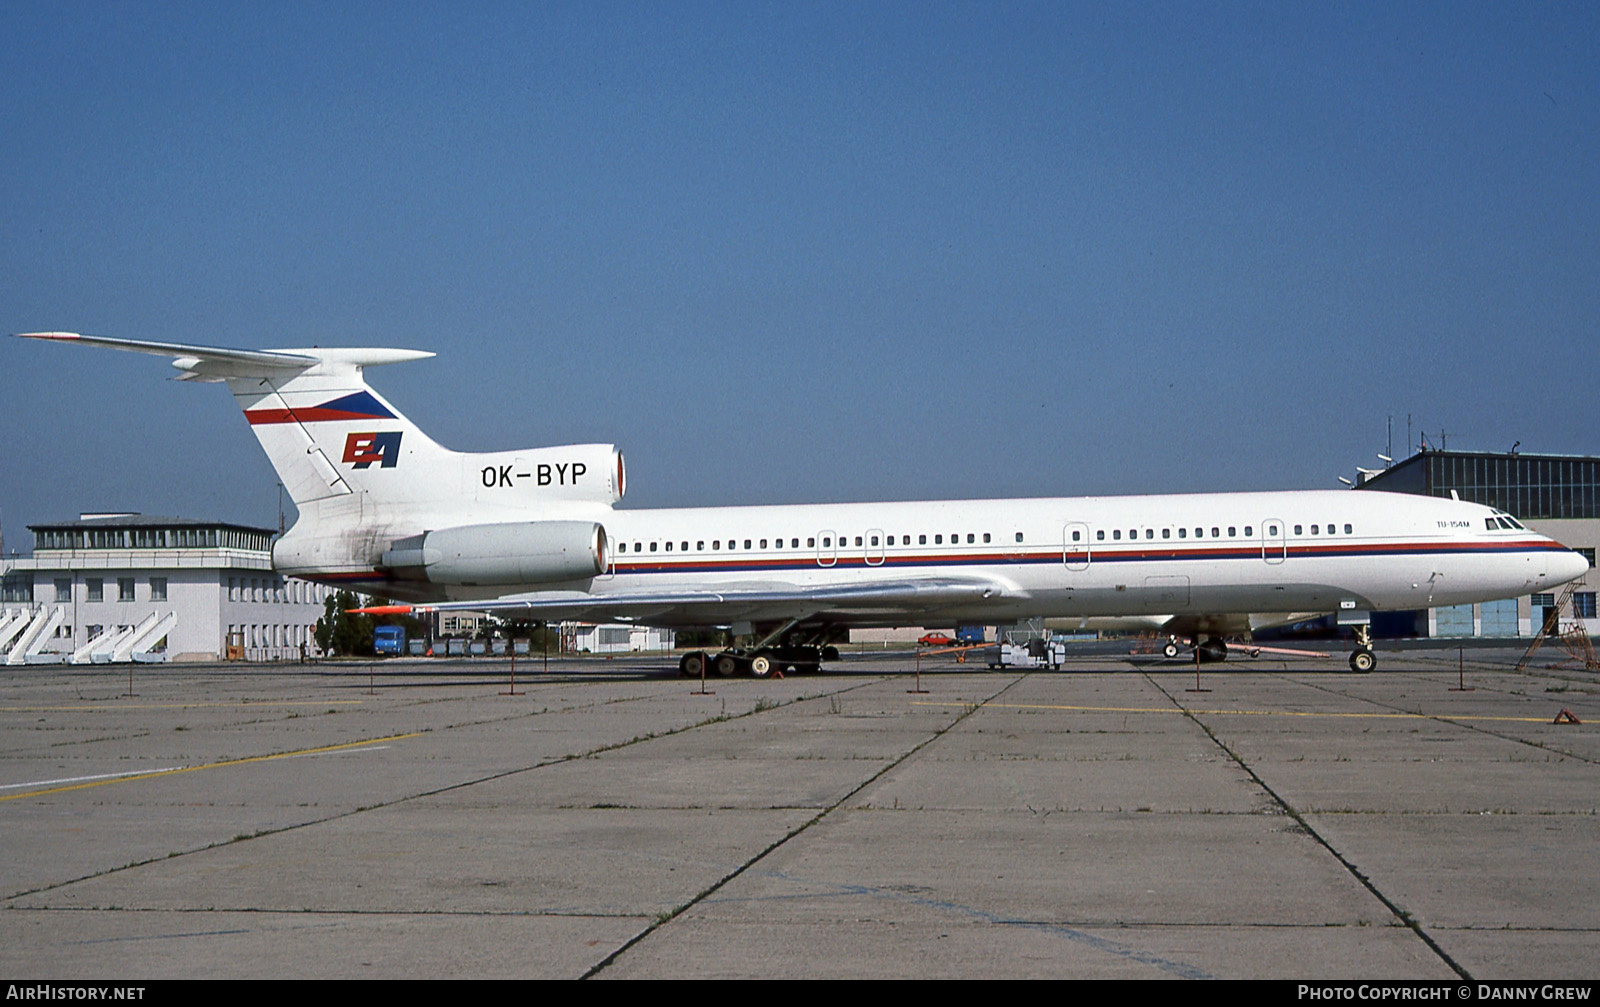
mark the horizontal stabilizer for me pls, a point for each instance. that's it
(216, 363)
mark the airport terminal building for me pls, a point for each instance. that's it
(129, 587)
(1555, 495)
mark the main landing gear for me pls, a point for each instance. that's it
(1212, 650)
(758, 663)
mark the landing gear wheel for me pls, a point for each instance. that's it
(692, 664)
(1213, 651)
(761, 666)
(727, 665)
(830, 653)
(1362, 661)
(1171, 649)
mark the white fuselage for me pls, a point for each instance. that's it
(1310, 551)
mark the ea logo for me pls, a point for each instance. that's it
(364, 449)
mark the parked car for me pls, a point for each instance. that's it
(936, 640)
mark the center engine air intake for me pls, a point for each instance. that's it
(529, 552)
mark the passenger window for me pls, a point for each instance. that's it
(1216, 533)
(716, 543)
(1347, 530)
(1248, 531)
(1199, 533)
(970, 539)
(1332, 528)
(922, 540)
(812, 542)
(1166, 533)
(1183, 533)
(1074, 537)
(1272, 529)
(827, 543)
(747, 543)
(1233, 532)
(985, 538)
(1149, 533)
(669, 547)
(1297, 529)
(699, 547)
(858, 540)
(1313, 529)
(652, 547)
(763, 543)
(938, 540)
(1100, 536)
(1019, 536)
(686, 547)
(874, 540)
(1116, 533)
(622, 547)
(794, 543)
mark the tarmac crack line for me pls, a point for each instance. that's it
(1394, 907)
(968, 710)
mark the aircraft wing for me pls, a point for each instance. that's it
(718, 606)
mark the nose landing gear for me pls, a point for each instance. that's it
(1362, 659)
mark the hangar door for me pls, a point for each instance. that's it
(1454, 620)
(1498, 618)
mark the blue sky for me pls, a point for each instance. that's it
(807, 252)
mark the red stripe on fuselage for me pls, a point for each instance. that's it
(312, 415)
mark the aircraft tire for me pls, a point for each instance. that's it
(1362, 661)
(1170, 650)
(830, 653)
(761, 666)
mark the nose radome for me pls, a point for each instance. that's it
(1567, 566)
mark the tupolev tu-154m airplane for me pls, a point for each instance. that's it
(535, 534)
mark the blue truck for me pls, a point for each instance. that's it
(389, 640)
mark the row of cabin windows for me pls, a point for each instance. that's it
(1216, 532)
(1330, 528)
(973, 538)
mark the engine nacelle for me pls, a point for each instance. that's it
(502, 555)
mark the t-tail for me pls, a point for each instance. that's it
(364, 478)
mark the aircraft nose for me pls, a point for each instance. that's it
(1567, 566)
